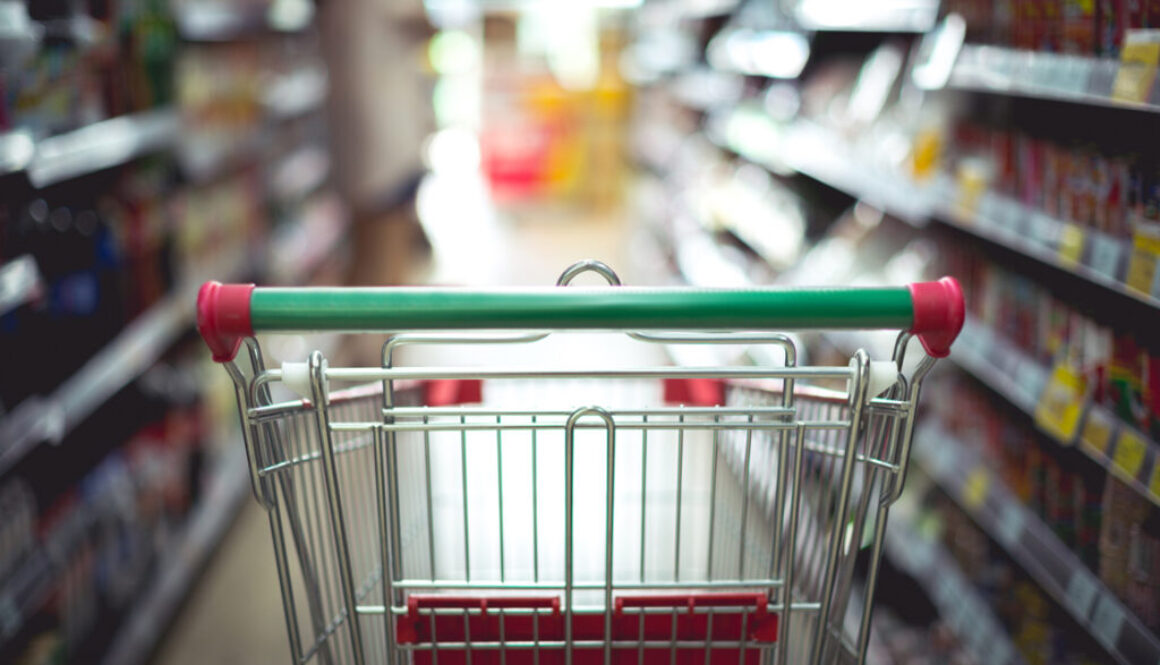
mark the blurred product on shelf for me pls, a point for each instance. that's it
(554, 108)
(1119, 369)
(104, 249)
(118, 465)
(1093, 27)
(95, 512)
(98, 60)
(1130, 550)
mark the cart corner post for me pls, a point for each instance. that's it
(223, 317)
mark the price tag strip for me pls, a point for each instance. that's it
(1142, 271)
(1061, 404)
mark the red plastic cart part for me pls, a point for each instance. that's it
(452, 392)
(695, 392)
(939, 313)
(733, 613)
(223, 317)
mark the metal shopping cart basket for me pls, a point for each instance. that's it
(580, 513)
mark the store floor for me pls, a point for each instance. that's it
(234, 615)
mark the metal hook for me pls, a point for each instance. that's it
(588, 265)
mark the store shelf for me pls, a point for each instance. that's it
(17, 148)
(225, 20)
(812, 150)
(820, 154)
(101, 145)
(182, 562)
(1056, 76)
(25, 591)
(1085, 253)
(91, 148)
(960, 606)
(1034, 547)
(1125, 452)
(19, 282)
(49, 418)
(917, 16)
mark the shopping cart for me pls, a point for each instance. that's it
(586, 512)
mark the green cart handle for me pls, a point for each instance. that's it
(227, 313)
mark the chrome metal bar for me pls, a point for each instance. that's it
(463, 478)
(535, 514)
(367, 374)
(680, 480)
(744, 503)
(643, 494)
(430, 503)
(418, 584)
(791, 548)
(712, 505)
(282, 567)
(651, 425)
(499, 494)
(385, 532)
(674, 411)
(858, 398)
(334, 499)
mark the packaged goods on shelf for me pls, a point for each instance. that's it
(119, 62)
(121, 489)
(1130, 550)
(103, 246)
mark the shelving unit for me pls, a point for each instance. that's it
(816, 152)
(950, 590)
(88, 149)
(23, 591)
(809, 149)
(900, 16)
(1034, 547)
(134, 350)
(1128, 454)
(184, 559)
(1055, 76)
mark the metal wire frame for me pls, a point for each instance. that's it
(788, 474)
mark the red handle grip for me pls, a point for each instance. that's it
(223, 317)
(939, 312)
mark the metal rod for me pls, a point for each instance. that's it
(337, 519)
(364, 374)
(680, 480)
(643, 494)
(499, 494)
(535, 514)
(712, 507)
(744, 504)
(857, 398)
(384, 536)
(463, 478)
(430, 503)
(791, 547)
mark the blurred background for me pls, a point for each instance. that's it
(149, 145)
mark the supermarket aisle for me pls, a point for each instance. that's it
(235, 613)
